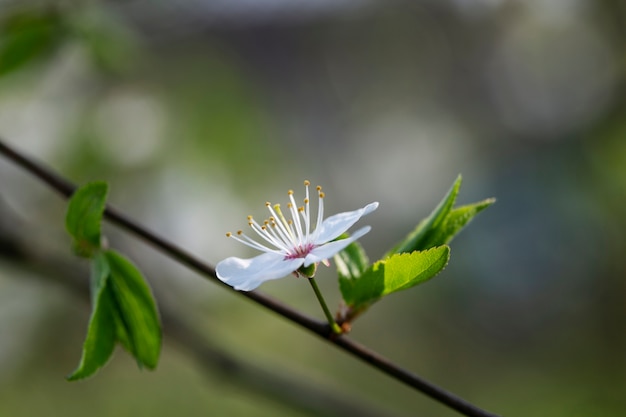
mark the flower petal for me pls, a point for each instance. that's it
(335, 225)
(326, 251)
(247, 274)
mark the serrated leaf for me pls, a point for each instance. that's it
(100, 340)
(84, 217)
(396, 273)
(458, 218)
(140, 330)
(407, 270)
(420, 235)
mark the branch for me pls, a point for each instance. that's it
(321, 329)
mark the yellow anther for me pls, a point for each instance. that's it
(318, 188)
(290, 192)
(229, 234)
(300, 208)
(249, 217)
(240, 232)
(263, 227)
(322, 194)
(267, 204)
(289, 205)
(306, 201)
(307, 182)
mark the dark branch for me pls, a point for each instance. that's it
(322, 329)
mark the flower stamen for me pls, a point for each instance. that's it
(263, 232)
(294, 215)
(243, 238)
(320, 212)
(281, 223)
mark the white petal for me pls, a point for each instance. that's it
(326, 251)
(247, 274)
(335, 225)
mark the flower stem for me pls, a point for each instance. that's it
(331, 321)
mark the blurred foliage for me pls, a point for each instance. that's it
(28, 37)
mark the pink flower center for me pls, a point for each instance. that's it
(300, 251)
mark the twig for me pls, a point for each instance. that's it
(321, 329)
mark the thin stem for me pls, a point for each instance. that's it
(66, 188)
(331, 321)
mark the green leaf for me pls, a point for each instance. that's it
(352, 261)
(26, 37)
(84, 217)
(407, 270)
(123, 310)
(440, 227)
(396, 273)
(417, 239)
(100, 340)
(458, 218)
(123, 307)
(419, 257)
(122, 333)
(137, 322)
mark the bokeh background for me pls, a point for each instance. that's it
(198, 111)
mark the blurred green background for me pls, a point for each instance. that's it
(199, 111)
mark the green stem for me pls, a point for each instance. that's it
(333, 325)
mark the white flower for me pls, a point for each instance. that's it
(290, 245)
